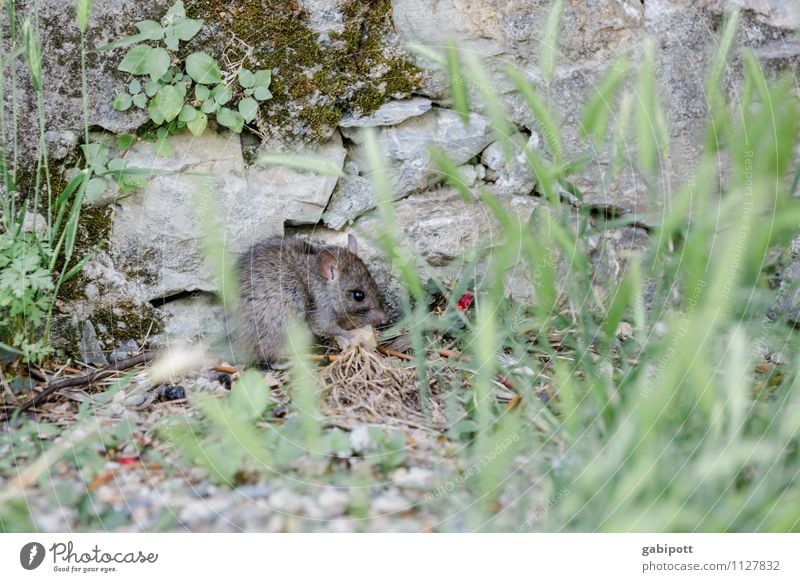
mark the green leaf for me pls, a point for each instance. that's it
(122, 102)
(201, 92)
(187, 113)
(246, 78)
(125, 141)
(116, 165)
(126, 41)
(169, 102)
(303, 162)
(140, 100)
(222, 94)
(96, 155)
(150, 29)
(134, 86)
(135, 60)
(263, 78)
(262, 94)
(186, 29)
(233, 120)
(177, 10)
(157, 64)
(203, 69)
(154, 112)
(198, 124)
(248, 107)
(151, 88)
(209, 106)
(171, 39)
(95, 188)
(249, 397)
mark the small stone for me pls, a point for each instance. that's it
(624, 330)
(390, 502)
(361, 441)
(414, 478)
(333, 502)
(91, 350)
(35, 223)
(390, 113)
(286, 501)
(778, 358)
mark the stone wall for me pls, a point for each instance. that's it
(152, 274)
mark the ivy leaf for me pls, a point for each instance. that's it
(157, 64)
(177, 10)
(233, 120)
(201, 92)
(168, 101)
(246, 78)
(263, 78)
(135, 60)
(203, 69)
(96, 156)
(262, 94)
(134, 86)
(151, 88)
(154, 112)
(209, 106)
(187, 113)
(124, 141)
(198, 125)
(248, 107)
(122, 102)
(95, 188)
(140, 100)
(150, 29)
(186, 29)
(171, 39)
(222, 94)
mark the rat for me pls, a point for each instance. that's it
(282, 278)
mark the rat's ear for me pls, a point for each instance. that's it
(352, 244)
(328, 266)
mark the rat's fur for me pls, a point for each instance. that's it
(283, 278)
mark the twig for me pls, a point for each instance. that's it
(83, 380)
(395, 353)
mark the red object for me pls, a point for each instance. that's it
(465, 302)
(127, 460)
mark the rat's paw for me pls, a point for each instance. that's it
(362, 336)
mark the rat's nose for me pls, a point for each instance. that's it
(381, 318)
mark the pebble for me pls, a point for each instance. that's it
(361, 441)
(414, 478)
(286, 501)
(333, 502)
(390, 502)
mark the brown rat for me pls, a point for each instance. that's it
(283, 278)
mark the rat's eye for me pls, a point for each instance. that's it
(358, 294)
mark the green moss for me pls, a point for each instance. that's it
(94, 228)
(314, 81)
(126, 321)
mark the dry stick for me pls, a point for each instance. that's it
(83, 380)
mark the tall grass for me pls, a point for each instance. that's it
(38, 257)
(669, 429)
